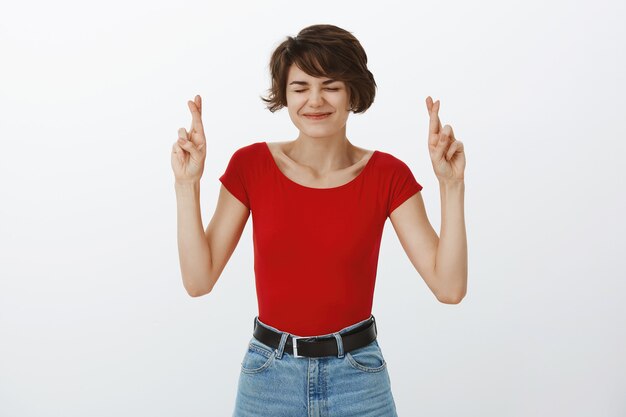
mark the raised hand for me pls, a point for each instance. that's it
(446, 153)
(189, 152)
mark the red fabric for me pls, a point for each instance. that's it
(316, 250)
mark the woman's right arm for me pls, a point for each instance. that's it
(203, 255)
(193, 249)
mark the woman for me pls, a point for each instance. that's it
(319, 205)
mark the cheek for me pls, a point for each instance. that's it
(294, 102)
(342, 99)
(292, 109)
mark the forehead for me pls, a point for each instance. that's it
(295, 73)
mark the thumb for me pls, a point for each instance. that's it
(189, 147)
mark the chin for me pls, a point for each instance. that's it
(319, 132)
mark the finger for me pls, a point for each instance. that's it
(196, 117)
(443, 142)
(177, 149)
(180, 153)
(452, 150)
(429, 103)
(443, 138)
(434, 124)
(448, 128)
(190, 147)
(198, 101)
(182, 133)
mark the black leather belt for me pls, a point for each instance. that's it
(318, 346)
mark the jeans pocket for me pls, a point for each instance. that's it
(258, 357)
(367, 358)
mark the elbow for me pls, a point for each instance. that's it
(451, 298)
(198, 287)
(452, 294)
(197, 293)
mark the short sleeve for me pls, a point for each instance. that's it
(403, 185)
(234, 180)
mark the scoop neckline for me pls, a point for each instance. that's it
(281, 174)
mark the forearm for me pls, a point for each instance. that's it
(451, 262)
(193, 248)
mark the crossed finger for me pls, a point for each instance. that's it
(196, 115)
(434, 125)
(447, 131)
(445, 143)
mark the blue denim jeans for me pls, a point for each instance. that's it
(274, 383)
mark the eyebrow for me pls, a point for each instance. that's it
(306, 83)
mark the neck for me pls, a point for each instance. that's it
(323, 153)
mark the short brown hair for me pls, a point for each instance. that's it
(323, 51)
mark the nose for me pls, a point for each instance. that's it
(315, 98)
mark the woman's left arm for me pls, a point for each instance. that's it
(448, 158)
(451, 259)
(441, 261)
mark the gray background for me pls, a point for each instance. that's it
(94, 319)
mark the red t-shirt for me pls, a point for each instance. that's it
(316, 249)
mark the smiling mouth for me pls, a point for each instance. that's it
(317, 116)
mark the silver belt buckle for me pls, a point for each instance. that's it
(295, 345)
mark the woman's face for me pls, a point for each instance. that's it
(308, 95)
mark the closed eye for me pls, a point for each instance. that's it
(329, 89)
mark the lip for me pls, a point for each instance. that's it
(317, 116)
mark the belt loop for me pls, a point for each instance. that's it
(375, 328)
(281, 345)
(339, 345)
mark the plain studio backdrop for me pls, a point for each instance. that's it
(94, 319)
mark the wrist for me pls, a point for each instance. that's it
(185, 186)
(452, 184)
